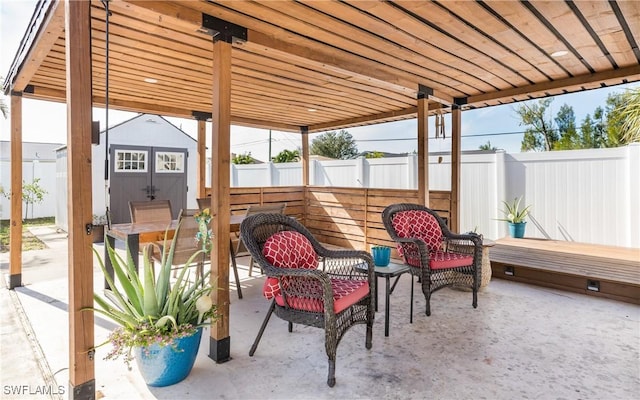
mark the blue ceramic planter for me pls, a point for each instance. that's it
(164, 366)
(517, 230)
(381, 255)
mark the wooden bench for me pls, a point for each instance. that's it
(607, 271)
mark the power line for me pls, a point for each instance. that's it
(431, 138)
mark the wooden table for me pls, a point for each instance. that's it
(134, 234)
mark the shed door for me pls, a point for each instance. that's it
(140, 173)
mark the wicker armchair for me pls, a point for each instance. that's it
(437, 256)
(309, 284)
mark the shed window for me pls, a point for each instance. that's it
(169, 162)
(131, 161)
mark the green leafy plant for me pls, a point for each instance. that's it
(32, 193)
(513, 213)
(151, 309)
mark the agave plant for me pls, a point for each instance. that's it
(513, 213)
(154, 309)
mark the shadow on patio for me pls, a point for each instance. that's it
(521, 342)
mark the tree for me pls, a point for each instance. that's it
(539, 134)
(615, 119)
(566, 124)
(487, 146)
(374, 154)
(599, 128)
(630, 110)
(32, 193)
(244, 158)
(333, 144)
(3, 106)
(286, 156)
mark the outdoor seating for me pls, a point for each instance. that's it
(186, 244)
(438, 257)
(309, 284)
(148, 211)
(241, 249)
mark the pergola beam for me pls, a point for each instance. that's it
(220, 341)
(15, 231)
(79, 124)
(630, 73)
(50, 30)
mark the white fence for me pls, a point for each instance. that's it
(590, 196)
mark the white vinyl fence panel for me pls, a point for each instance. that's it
(589, 196)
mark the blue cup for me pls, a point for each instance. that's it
(381, 255)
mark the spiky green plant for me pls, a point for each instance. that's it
(152, 309)
(513, 213)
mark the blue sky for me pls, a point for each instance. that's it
(46, 121)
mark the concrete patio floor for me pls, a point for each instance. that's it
(522, 342)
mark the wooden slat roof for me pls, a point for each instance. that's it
(353, 62)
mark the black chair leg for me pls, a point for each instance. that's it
(262, 328)
(290, 326)
(411, 305)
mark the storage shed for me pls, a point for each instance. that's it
(149, 159)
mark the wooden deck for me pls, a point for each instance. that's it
(607, 271)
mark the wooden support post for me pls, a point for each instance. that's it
(423, 149)
(220, 342)
(15, 231)
(304, 132)
(202, 158)
(456, 153)
(79, 206)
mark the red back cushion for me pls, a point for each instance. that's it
(287, 249)
(417, 224)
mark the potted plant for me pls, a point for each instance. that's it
(160, 320)
(515, 217)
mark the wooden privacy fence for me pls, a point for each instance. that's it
(345, 217)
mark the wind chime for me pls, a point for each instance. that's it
(440, 128)
(440, 124)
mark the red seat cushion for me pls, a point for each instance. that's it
(345, 294)
(287, 249)
(444, 260)
(420, 225)
(290, 249)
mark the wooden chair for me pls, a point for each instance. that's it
(309, 284)
(205, 202)
(149, 211)
(438, 257)
(186, 244)
(241, 249)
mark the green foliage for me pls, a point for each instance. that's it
(149, 308)
(513, 213)
(630, 110)
(286, 156)
(244, 158)
(539, 134)
(374, 154)
(3, 106)
(32, 193)
(339, 145)
(566, 126)
(615, 125)
(487, 146)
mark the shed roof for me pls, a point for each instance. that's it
(328, 64)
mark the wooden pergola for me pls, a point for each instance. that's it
(297, 66)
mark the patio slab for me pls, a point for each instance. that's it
(521, 342)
